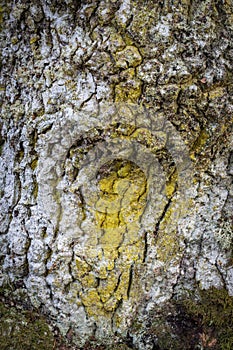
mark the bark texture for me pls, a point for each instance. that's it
(116, 166)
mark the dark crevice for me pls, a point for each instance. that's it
(145, 247)
(130, 281)
(162, 216)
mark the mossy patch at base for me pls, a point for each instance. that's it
(23, 330)
(213, 316)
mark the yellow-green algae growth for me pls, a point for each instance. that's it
(118, 210)
(122, 196)
(167, 244)
(121, 202)
(199, 143)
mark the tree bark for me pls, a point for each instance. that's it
(116, 168)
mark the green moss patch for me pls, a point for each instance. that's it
(24, 330)
(213, 316)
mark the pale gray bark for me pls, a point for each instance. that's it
(93, 79)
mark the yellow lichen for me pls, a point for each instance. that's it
(35, 190)
(116, 42)
(107, 287)
(34, 39)
(132, 251)
(34, 164)
(121, 292)
(218, 92)
(111, 304)
(199, 143)
(89, 281)
(129, 57)
(120, 204)
(171, 185)
(168, 247)
(112, 237)
(128, 91)
(82, 267)
(124, 171)
(143, 135)
(14, 40)
(122, 197)
(106, 184)
(91, 300)
(103, 274)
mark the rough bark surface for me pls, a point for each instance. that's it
(116, 166)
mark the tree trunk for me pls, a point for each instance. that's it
(116, 169)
